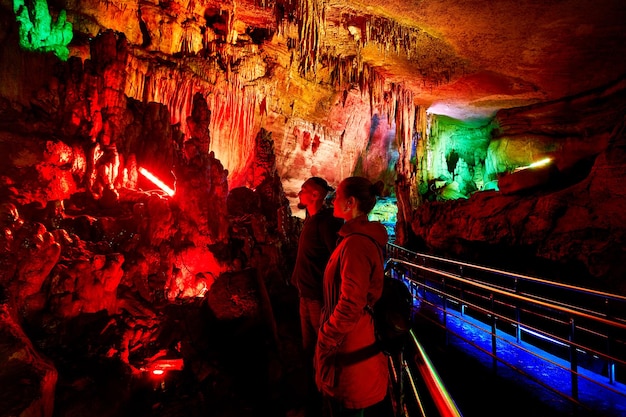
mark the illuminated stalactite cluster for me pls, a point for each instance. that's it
(395, 101)
(228, 72)
(310, 19)
(234, 120)
(38, 31)
(235, 107)
(405, 116)
(384, 35)
(215, 58)
(417, 46)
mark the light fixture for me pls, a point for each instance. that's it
(156, 181)
(537, 164)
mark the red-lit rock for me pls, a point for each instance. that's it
(30, 378)
(527, 179)
(237, 295)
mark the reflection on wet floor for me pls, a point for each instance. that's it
(535, 387)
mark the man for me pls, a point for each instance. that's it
(317, 241)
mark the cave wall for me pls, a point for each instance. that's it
(166, 55)
(94, 256)
(561, 221)
(160, 86)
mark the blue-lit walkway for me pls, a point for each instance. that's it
(467, 370)
(506, 344)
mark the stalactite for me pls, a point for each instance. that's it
(231, 36)
(234, 120)
(343, 71)
(233, 127)
(391, 37)
(137, 78)
(310, 28)
(192, 40)
(286, 15)
(404, 127)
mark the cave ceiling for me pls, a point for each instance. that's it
(464, 58)
(501, 54)
(295, 60)
(475, 57)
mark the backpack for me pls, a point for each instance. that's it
(392, 315)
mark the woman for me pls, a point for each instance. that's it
(351, 372)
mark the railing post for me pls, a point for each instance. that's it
(400, 396)
(445, 311)
(494, 339)
(415, 288)
(610, 362)
(573, 359)
(461, 274)
(518, 332)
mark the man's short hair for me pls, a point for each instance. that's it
(320, 183)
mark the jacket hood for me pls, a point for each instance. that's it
(361, 225)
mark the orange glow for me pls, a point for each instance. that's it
(156, 181)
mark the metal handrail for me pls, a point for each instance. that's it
(522, 298)
(438, 402)
(438, 392)
(392, 247)
(498, 298)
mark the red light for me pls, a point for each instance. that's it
(156, 181)
(159, 366)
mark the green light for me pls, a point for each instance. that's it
(386, 212)
(454, 164)
(38, 32)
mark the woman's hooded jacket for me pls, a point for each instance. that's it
(349, 366)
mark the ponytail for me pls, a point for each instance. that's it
(377, 188)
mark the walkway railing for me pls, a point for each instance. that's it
(566, 326)
(418, 391)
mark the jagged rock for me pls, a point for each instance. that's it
(563, 213)
(242, 201)
(236, 295)
(28, 379)
(575, 227)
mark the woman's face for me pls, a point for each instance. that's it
(342, 205)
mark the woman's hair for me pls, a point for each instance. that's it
(363, 191)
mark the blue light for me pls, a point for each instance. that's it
(542, 367)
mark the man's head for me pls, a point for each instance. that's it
(313, 193)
